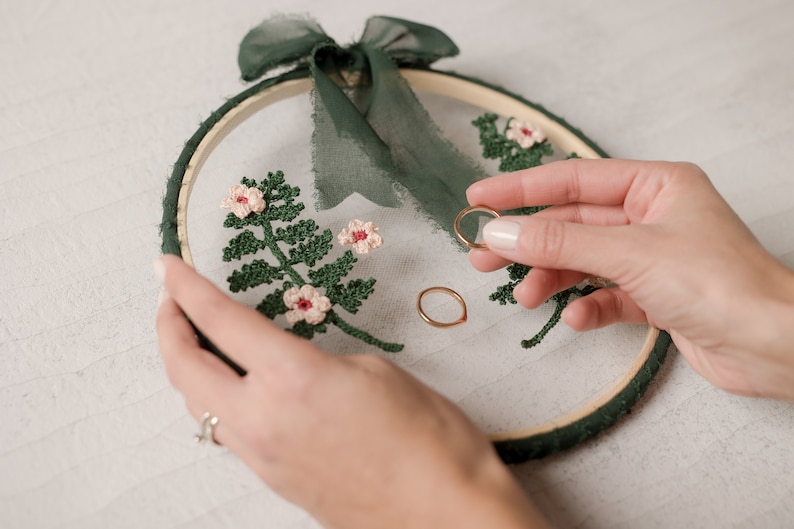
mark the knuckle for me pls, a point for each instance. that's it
(574, 190)
(615, 304)
(577, 215)
(548, 241)
(609, 307)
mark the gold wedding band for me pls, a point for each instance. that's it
(466, 211)
(444, 290)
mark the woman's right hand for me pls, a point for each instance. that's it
(682, 261)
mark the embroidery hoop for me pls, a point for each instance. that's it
(513, 446)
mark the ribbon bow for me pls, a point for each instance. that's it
(372, 132)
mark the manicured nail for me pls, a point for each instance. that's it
(501, 234)
(159, 269)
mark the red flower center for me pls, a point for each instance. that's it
(242, 200)
(304, 304)
(360, 235)
(526, 131)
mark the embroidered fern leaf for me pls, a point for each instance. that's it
(330, 274)
(309, 311)
(350, 296)
(273, 304)
(298, 232)
(312, 251)
(245, 243)
(254, 274)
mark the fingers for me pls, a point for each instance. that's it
(603, 182)
(486, 261)
(602, 308)
(195, 373)
(581, 213)
(595, 250)
(542, 283)
(243, 334)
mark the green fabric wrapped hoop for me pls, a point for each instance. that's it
(513, 447)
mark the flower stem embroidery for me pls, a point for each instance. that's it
(299, 299)
(522, 145)
(504, 295)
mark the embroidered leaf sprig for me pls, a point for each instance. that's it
(504, 295)
(521, 145)
(511, 155)
(289, 245)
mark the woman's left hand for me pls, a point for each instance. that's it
(354, 440)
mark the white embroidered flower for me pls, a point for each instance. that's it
(524, 133)
(242, 200)
(362, 236)
(306, 304)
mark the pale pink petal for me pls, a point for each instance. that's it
(241, 210)
(308, 292)
(256, 200)
(314, 316)
(237, 190)
(321, 303)
(346, 237)
(361, 247)
(374, 240)
(292, 297)
(294, 316)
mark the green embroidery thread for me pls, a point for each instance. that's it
(504, 295)
(306, 246)
(513, 157)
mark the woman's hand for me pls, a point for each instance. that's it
(681, 258)
(354, 440)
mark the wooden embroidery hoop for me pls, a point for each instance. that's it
(513, 446)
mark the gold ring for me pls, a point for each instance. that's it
(466, 211)
(207, 433)
(444, 290)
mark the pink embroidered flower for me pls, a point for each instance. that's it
(242, 200)
(524, 133)
(362, 236)
(306, 304)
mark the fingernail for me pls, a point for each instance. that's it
(159, 269)
(501, 234)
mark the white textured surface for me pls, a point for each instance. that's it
(96, 99)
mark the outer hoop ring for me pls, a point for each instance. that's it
(463, 213)
(422, 314)
(513, 446)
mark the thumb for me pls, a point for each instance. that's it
(606, 251)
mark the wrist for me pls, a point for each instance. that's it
(773, 321)
(493, 498)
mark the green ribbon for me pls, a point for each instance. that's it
(370, 130)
